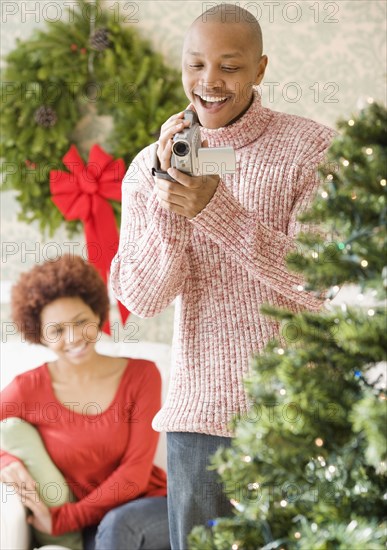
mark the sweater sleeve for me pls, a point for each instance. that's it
(11, 406)
(151, 265)
(258, 248)
(131, 478)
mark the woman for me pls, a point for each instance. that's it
(93, 413)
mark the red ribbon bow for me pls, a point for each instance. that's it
(83, 194)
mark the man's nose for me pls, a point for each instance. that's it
(211, 79)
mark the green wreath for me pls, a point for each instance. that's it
(49, 80)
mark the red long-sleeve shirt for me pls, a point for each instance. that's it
(105, 456)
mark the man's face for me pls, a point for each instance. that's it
(220, 67)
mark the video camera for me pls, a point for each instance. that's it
(188, 156)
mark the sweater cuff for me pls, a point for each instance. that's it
(63, 521)
(7, 459)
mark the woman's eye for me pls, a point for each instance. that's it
(80, 322)
(54, 332)
(197, 66)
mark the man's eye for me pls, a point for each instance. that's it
(230, 69)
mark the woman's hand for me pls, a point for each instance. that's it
(40, 518)
(19, 477)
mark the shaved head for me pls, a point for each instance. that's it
(233, 14)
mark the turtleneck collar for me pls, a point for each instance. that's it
(244, 130)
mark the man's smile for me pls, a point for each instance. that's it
(212, 103)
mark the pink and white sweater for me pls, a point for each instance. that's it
(223, 264)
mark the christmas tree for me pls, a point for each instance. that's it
(307, 467)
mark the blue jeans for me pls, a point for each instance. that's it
(195, 494)
(138, 524)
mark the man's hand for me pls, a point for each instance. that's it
(19, 477)
(188, 195)
(172, 126)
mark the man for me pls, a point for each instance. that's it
(217, 246)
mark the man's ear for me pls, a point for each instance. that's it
(261, 69)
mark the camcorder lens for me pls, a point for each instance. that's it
(180, 148)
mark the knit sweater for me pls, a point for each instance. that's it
(223, 264)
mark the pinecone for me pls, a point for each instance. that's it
(100, 39)
(45, 116)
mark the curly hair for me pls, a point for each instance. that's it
(69, 276)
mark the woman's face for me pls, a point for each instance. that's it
(70, 329)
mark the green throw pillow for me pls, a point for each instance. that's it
(22, 440)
